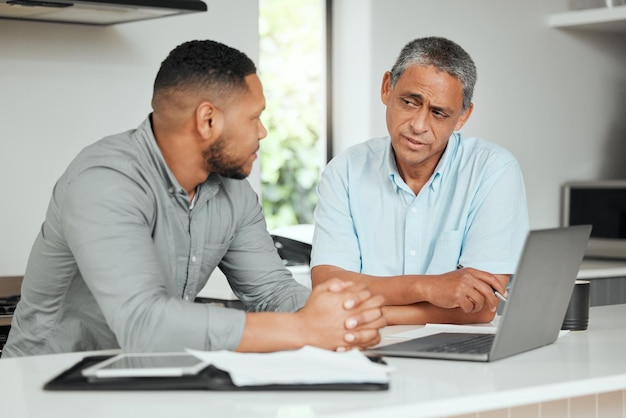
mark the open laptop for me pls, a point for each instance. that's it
(537, 302)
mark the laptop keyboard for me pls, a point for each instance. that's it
(474, 344)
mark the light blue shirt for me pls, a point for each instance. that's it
(472, 211)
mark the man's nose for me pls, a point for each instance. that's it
(418, 121)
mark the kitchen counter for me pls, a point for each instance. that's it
(580, 365)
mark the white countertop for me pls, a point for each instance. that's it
(579, 363)
(218, 288)
(600, 269)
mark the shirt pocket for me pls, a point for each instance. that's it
(193, 271)
(446, 252)
(212, 254)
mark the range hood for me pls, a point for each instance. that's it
(96, 12)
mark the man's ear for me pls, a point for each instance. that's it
(464, 117)
(385, 88)
(209, 121)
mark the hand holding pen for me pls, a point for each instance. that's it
(498, 294)
(468, 289)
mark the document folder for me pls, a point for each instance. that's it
(210, 378)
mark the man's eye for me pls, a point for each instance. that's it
(409, 103)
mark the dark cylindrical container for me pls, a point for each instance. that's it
(577, 315)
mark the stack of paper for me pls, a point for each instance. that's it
(308, 365)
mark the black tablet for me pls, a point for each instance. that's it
(146, 365)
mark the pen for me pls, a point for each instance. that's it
(498, 294)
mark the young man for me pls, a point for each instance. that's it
(406, 212)
(139, 220)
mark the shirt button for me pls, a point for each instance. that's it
(414, 210)
(412, 253)
(193, 258)
(186, 297)
(171, 190)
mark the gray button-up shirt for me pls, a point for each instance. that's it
(121, 257)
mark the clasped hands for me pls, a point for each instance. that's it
(342, 315)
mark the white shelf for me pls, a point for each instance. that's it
(610, 19)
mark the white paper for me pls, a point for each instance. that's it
(308, 365)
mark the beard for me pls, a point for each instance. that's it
(217, 160)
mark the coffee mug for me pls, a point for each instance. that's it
(577, 315)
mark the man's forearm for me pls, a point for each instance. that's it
(424, 312)
(397, 290)
(269, 331)
(338, 315)
(469, 289)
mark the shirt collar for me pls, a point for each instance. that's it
(435, 180)
(392, 170)
(204, 191)
(145, 135)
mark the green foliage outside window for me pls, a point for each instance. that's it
(290, 67)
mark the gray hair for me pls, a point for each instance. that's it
(442, 54)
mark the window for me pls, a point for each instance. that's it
(292, 69)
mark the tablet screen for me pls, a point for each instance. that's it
(146, 365)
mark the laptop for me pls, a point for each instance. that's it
(538, 299)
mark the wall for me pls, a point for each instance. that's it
(64, 86)
(554, 98)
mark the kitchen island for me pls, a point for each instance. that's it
(584, 371)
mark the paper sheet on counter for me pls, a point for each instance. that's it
(308, 365)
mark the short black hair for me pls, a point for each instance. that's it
(204, 64)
